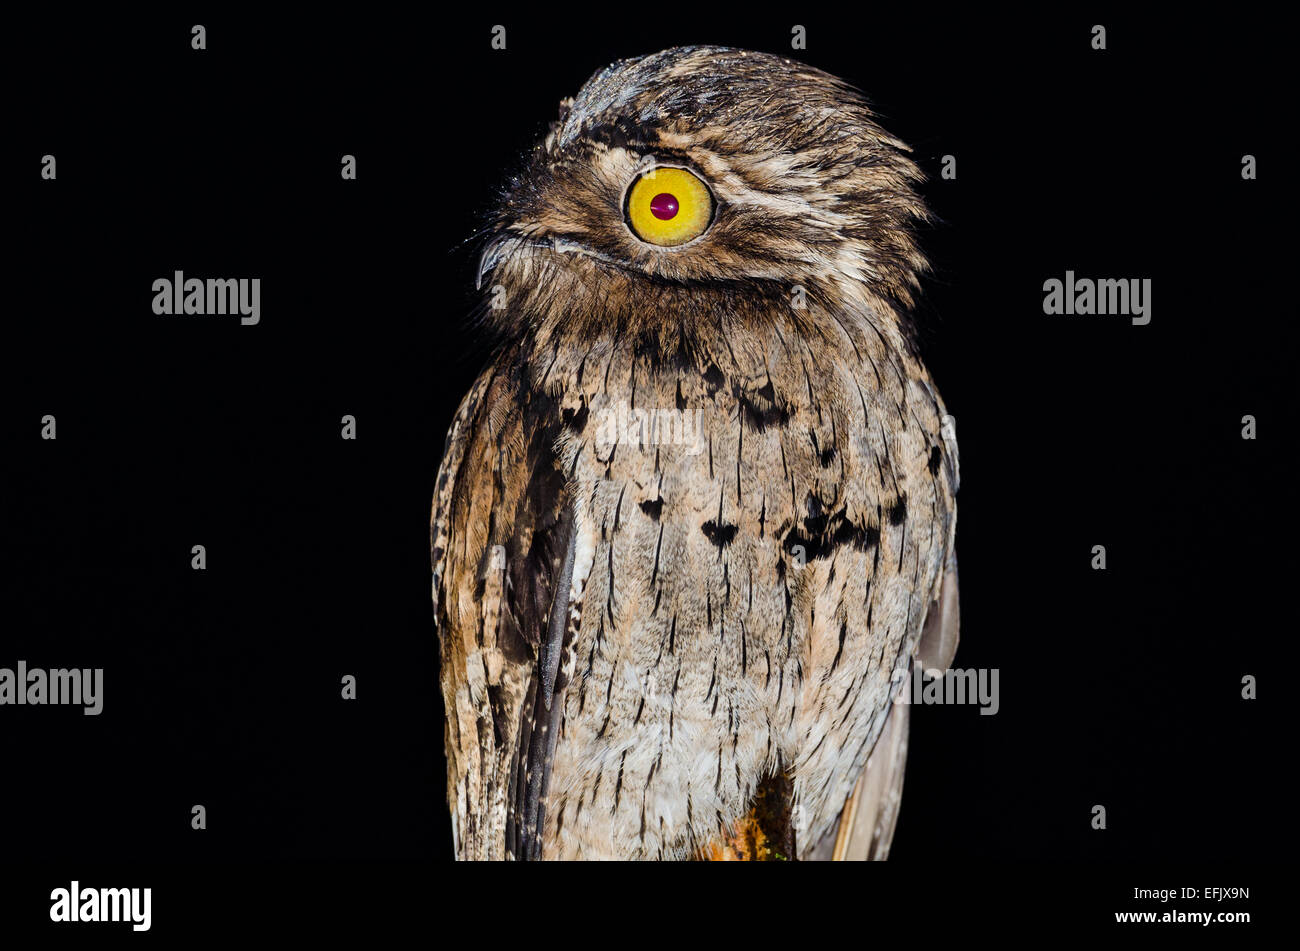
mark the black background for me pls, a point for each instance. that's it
(222, 687)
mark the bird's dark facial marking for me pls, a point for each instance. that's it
(620, 133)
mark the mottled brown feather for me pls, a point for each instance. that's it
(734, 613)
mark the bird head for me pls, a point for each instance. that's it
(699, 175)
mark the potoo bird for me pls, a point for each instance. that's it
(694, 522)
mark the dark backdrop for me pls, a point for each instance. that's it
(222, 687)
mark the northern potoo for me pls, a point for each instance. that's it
(694, 515)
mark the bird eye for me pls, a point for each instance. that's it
(668, 207)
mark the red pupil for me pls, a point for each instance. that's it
(664, 206)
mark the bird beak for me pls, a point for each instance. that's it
(505, 245)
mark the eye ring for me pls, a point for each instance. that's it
(668, 206)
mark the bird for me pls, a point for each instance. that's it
(695, 520)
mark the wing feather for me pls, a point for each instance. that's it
(502, 560)
(866, 826)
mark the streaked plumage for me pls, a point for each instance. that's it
(636, 636)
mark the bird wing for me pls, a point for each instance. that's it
(866, 826)
(503, 541)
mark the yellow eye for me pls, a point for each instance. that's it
(668, 207)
